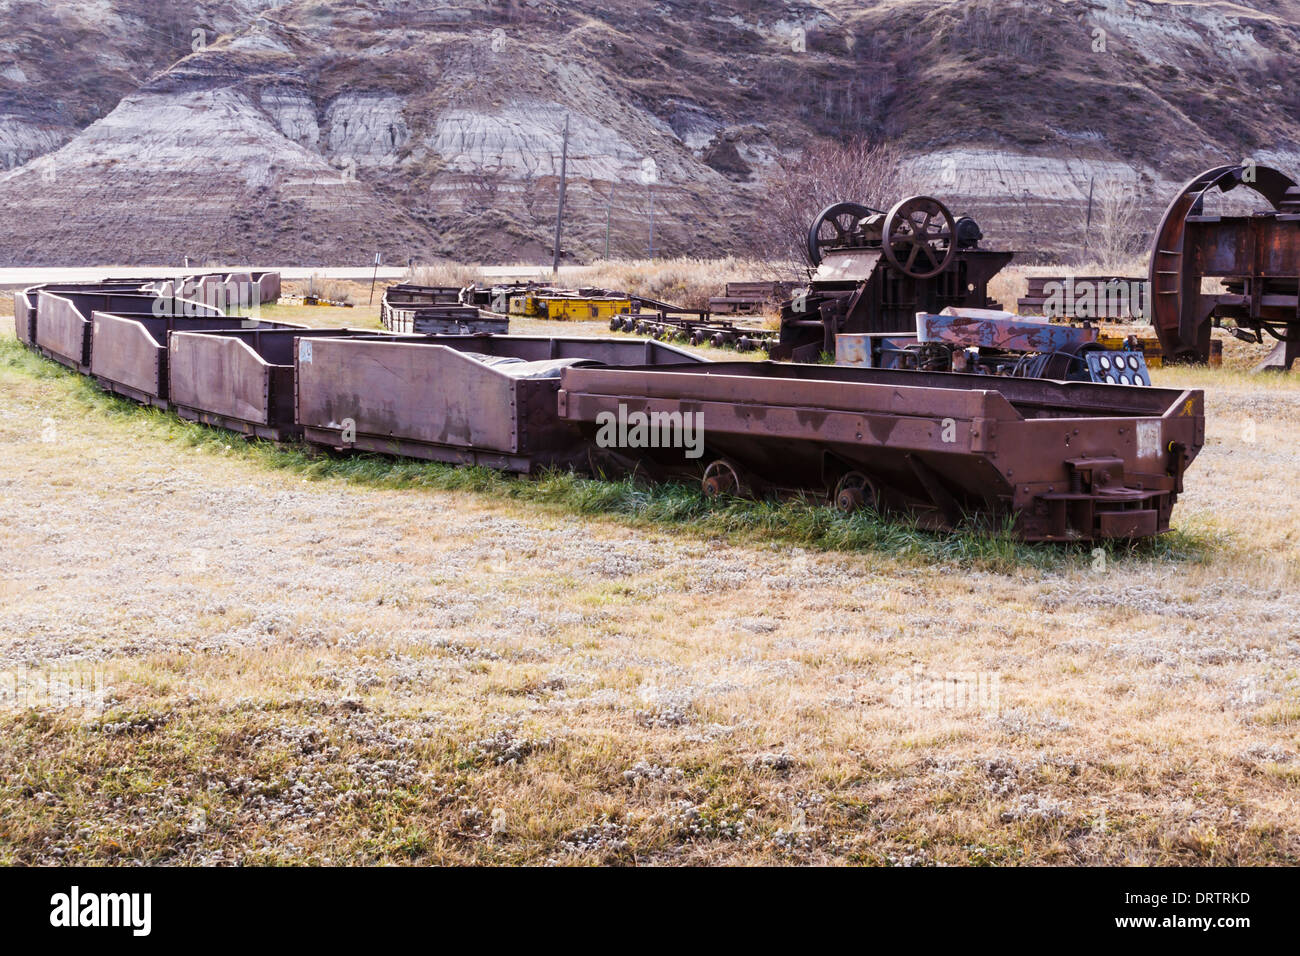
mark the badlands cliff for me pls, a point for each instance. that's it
(312, 131)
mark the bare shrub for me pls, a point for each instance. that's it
(331, 290)
(826, 172)
(444, 273)
(684, 282)
(994, 29)
(1120, 230)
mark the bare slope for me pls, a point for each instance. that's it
(452, 112)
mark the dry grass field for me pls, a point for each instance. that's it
(294, 662)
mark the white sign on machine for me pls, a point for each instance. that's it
(1149, 442)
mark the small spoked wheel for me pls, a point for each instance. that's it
(856, 491)
(721, 477)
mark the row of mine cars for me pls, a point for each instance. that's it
(1055, 460)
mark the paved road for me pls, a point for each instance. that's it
(524, 272)
(20, 278)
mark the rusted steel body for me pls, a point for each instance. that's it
(236, 288)
(1065, 461)
(444, 320)
(435, 310)
(129, 353)
(409, 295)
(24, 317)
(240, 379)
(1257, 257)
(750, 298)
(63, 325)
(25, 301)
(268, 286)
(484, 400)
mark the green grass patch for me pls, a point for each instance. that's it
(801, 523)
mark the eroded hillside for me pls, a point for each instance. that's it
(309, 132)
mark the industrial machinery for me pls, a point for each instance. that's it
(875, 270)
(987, 342)
(696, 326)
(530, 300)
(1257, 258)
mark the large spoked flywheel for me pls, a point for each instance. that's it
(835, 227)
(919, 237)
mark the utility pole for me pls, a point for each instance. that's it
(651, 187)
(1091, 182)
(374, 275)
(608, 206)
(559, 210)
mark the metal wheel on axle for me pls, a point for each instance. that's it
(856, 491)
(721, 477)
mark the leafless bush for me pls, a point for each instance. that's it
(1121, 226)
(332, 290)
(482, 187)
(826, 172)
(684, 281)
(445, 273)
(996, 29)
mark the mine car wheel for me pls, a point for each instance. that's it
(721, 477)
(834, 228)
(914, 231)
(856, 491)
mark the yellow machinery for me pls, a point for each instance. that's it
(574, 309)
(1150, 346)
(525, 304)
